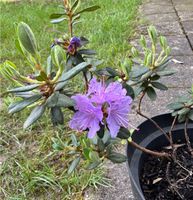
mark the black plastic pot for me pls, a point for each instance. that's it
(153, 139)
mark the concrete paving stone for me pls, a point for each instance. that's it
(184, 73)
(152, 8)
(185, 15)
(163, 2)
(179, 45)
(182, 2)
(157, 18)
(164, 28)
(190, 36)
(184, 7)
(188, 26)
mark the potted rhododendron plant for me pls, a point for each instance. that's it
(101, 113)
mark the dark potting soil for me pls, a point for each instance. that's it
(162, 179)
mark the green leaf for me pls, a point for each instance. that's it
(87, 51)
(86, 152)
(75, 5)
(94, 156)
(166, 73)
(60, 100)
(36, 113)
(24, 88)
(59, 20)
(190, 115)
(93, 165)
(74, 140)
(70, 74)
(42, 76)
(175, 106)
(183, 111)
(58, 56)
(57, 116)
(129, 89)
(27, 38)
(101, 145)
(159, 86)
(139, 71)
(20, 105)
(151, 93)
(116, 157)
(89, 9)
(123, 133)
(73, 165)
(56, 15)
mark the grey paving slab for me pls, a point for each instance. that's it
(179, 45)
(185, 15)
(188, 26)
(164, 28)
(182, 2)
(184, 7)
(190, 36)
(152, 8)
(163, 2)
(157, 18)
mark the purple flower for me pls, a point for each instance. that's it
(108, 105)
(74, 44)
(88, 116)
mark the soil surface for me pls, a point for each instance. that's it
(163, 179)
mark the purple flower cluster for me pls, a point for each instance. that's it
(103, 104)
(74, 44)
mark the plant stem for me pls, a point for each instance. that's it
(148, 151)
(70, 25)
(146, 117)
(187, 137)
(170, 133)
(86, 81)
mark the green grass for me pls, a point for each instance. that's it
(29, 167)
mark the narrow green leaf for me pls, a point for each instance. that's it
(93, 165)
(87, 51)
(20, 105)
(123, 133)
(159, 86)
(57, 116)
(117, 157)
(73, 165)
(175, 106)
(151, 93)
(101, 145)
(190, 115)
(75, 5)
(166, 73)
(70, 74)
(89, 9)
(36, 113)
(24, 88)
(58, 56)
(60, 100)
(183, 111)
(59, 20)
(27, 38)
(56, 15)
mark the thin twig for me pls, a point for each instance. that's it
(148, 151)
(187, 137)
(170, 136)
(146, 117)
(155, 123)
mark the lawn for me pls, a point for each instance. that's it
(30, 168)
